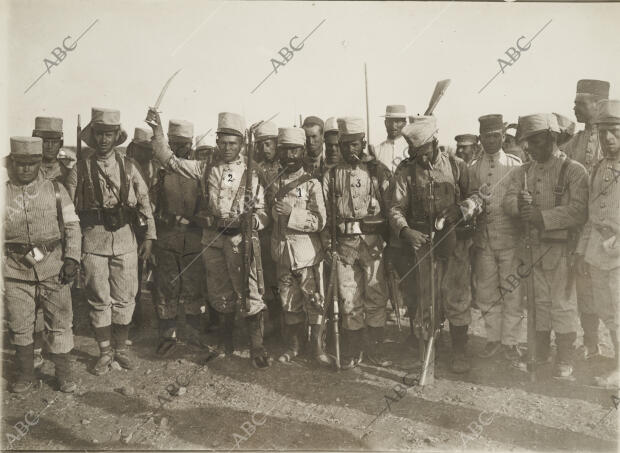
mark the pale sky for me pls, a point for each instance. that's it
(224, 50)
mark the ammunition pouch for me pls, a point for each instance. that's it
(227, 226)
(375, 225)
(114, 218)
(30, 254)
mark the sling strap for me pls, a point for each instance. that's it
(59, 216)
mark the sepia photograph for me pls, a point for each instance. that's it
(310, 225)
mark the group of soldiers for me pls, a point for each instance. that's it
(405, 220)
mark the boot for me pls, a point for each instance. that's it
(316, 339)
(564, 360)
(373, 347)
(103, 335)
(292, 336)
(611, 380)
(460, 362)
(24, 363)
(38, 349)
(589, 323)
(543, 346)
(227, 326)
(64, 373)
(168, 336)
(353, 341)
(120, 333)
(256, 330)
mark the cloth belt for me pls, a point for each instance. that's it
(20, 248)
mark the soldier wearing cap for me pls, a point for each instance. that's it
(466, 147)
(269, 169)
(112, 201)
(393, 150)
(585, 148)
(49, 129)
(295, 200)
(42, 254)
(494, 243)
(510, 145)
(179, 273)
(361, 279)
(550, 193)
(314, 161)
(599, 245)
(330, 136)
(223, 191)
(411, 211)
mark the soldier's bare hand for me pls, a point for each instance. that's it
(145, 251)
(283, 208)
(153, 119)
(415, 238)
(69, 271)
(580, 265)
(525, 198)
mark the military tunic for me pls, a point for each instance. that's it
(296, 248)
(554, 285)
(31, 220)
(361, 279)
(495, 243)
(597, 242)
(223, 187)
(314, 165)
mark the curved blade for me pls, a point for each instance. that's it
(164, 89)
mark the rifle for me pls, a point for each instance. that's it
(429, 329)
(440, 90)
(78, 143)
(531, 299)
(246, 223)
(332, 289)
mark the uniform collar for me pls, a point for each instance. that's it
(107, 158)
(237, 161)
(496, 157)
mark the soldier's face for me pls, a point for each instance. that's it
(540, 146)
(352, 151)
(26, 170)
(268, 149)
(229, 147)
(424, 154)
(465, 152)
(394, 126)
(105, 140)
(332, 149)
(51, 146)
(314, 140)
(291, 157)
(492, 142)
(180, 148)
(609, 137)
(585, 109)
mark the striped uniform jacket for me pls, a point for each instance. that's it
(31, 218)
(96, 239)
(542, 179)
(604, 216)
(584, 147)
(489, 176)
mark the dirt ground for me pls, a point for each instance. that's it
(228, 405)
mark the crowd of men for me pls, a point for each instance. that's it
(402, 220)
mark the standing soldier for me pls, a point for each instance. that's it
(585, 148)
(266, 139)
(111, 199)
(599, 245)
(466, 147)
(42, 254)
(495, 243)
(361, 279)
(179, 272)
(411, 210)
(555, 204)
(50, 130)
(298, 212)
(394, 149)
(314, 161)
(223, 187)
(511, 145)
(332, 148)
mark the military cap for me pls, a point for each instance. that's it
(47, 127)
(608, 111)
(421, 131)
(466, 139)
(180, 131)
(599, 88)
(142, 136)
(106, 120)
(201, 142)
(491, 123)
(266, 130)
(331, 125)
(531, 124)
(509, 126)
(565, 123)
(351, 128)
(230, 123)
(29, 149)
(395, 111)
(313, 121)
(291, 136)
